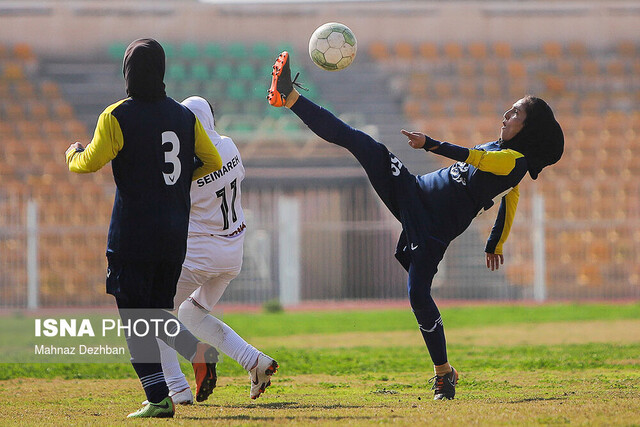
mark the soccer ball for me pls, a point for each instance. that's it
(332, 46)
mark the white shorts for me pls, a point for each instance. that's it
(216, 254)
(205, 288)
(212, 262)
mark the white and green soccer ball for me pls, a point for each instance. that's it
(332, 46)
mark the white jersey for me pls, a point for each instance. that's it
(216, 221)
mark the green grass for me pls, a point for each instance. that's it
(352, 378)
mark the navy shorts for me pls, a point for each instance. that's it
(142, 284)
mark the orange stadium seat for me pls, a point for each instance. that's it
(477, 50)
(453, 51)
(552, 50)
(577, 49)
(23, 51)
(50, 89)
(627, 48)
(403, 50)
(378, 51)
(428, 50)
(502, 50)
(13, 71)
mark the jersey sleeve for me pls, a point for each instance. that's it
(206, 152)
(500, 162)
(106, 143)
(504, 220)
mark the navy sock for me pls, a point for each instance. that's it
(152, 380)
(433, 334)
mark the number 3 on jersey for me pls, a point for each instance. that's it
(171, 156)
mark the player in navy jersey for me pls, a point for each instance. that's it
(437, 207)
(152, 142)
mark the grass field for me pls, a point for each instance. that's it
(519, 365)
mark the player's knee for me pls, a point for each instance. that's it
(190, 315)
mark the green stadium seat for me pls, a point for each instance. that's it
(237, 51)
(236, 90)
(246, 71)
(116, 51)
(212, 51)
(176, 71)
(200, 72)
(262, 51)
(223, 71)
(169, 50)
(189, 50)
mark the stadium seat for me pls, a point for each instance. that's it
(428, 51)
(552, 50)
(403, 50)
(477, 50)
(502, 50)
(189, 51)
(378, 51)
(213, 51)
(200, 72)
(115, 51)
(237, 51)
(453, 51)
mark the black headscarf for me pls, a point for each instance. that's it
(541, 140)
(143, 69)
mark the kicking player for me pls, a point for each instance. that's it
(214, 258)
(151, 141)
(437, 207)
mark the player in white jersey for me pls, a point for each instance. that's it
(214, 258)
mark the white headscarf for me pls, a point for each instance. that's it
(201, 108)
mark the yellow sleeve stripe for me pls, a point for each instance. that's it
(511, 200)
(499, 162)
(106, 143)
(206, 152)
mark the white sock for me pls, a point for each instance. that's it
(173, 375)
(218, 334)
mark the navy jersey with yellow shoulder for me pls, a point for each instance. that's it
(455, 195)
(151, 146)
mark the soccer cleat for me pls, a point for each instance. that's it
(183, 397)
(281, 83)
(205, 369)
(444, 387)
(260, 376)
(164, 409)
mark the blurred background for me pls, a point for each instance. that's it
(316, 230)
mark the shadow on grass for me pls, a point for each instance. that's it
(287, 405)
(537, 399)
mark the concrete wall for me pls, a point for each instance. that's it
(85, 26)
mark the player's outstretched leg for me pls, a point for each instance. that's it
(281, 92)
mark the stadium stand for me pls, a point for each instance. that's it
(453, 91)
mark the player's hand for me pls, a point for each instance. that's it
(494, 261)
(417, 139)
(76, 146)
